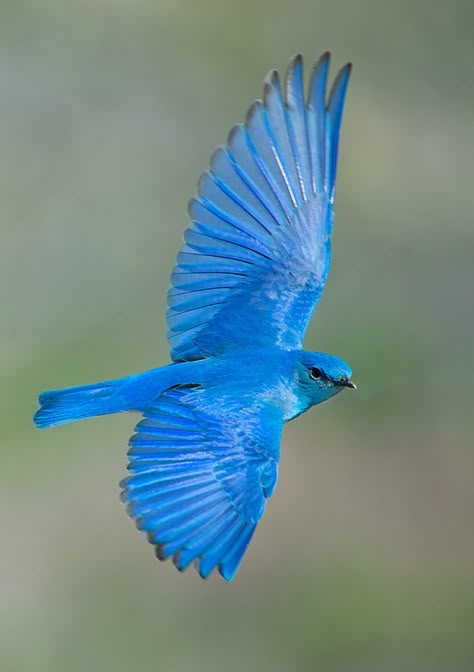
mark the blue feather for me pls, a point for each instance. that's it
(335, 109)
(204, 456)
(207, 479)
(274, 184)
(317, 122)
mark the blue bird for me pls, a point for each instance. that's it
(204, 457)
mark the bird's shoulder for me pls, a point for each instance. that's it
(252, 379)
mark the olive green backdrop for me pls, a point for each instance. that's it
(364, 562)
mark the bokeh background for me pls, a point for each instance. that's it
(109, 110)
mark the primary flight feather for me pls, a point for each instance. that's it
(204, 458)
(256, 256)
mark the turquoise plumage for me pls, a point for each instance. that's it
(204, 457)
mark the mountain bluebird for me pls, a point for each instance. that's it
(204, 456)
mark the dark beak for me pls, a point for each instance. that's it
(348, 383)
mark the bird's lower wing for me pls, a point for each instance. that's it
(200, 471)
(257, 253)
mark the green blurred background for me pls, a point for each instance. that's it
(364, 561)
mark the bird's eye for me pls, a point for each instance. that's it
(315, 373)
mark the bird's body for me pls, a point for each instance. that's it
(204, 457)
(269, 374)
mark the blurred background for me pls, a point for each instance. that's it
(364, 561)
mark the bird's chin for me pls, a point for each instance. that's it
(326, 393)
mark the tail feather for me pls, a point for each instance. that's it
(58, 407)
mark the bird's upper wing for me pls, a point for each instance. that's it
(200, 470)
(256, 255)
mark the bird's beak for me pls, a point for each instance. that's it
(348, 383)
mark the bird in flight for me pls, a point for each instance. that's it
(203, 459)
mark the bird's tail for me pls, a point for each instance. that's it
(57, 407)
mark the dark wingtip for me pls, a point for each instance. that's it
(271, 81)
(319, 69)
(160, 552)
(272, 78)
(324, 59)
(346, 69)
(253, 110)
(295, 64)
(296, 59)
(344, 73)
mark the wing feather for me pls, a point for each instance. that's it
(199, 476)
(256, 256)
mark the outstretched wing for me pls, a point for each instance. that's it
(256, 255)
(200, 472)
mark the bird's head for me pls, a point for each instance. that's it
(320, 376)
